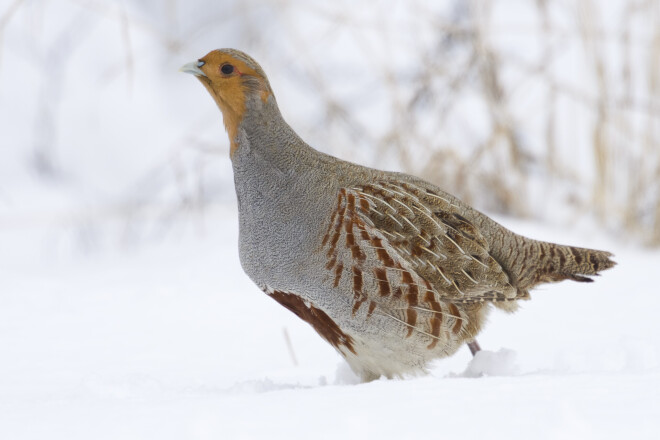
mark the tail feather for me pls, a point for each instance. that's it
(557, 263)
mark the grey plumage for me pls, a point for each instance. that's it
(388, 268)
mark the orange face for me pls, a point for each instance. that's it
(230, 80)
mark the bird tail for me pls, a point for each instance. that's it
(557, 263)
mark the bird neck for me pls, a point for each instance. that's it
(264, 139)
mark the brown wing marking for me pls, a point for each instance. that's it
(316, 317)
(383, 269)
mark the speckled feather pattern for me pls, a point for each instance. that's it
(389, 269)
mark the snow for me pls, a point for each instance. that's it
(490, 363)
(124, 312)
(170, 339)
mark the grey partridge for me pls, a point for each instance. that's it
(388, 268)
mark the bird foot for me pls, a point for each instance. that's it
(474, 347)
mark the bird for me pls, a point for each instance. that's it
(389, 269)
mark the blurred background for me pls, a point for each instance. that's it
(124, 312)
(548, 110)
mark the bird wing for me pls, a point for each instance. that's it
(408, 252)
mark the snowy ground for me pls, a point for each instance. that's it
(171, 340)
(105, 338)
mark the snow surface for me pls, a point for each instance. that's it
(170, 339)
(124, 313)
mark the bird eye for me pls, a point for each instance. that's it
(227, 69)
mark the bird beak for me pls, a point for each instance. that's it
(193, 68)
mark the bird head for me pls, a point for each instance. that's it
(236, 82)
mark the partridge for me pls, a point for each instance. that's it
(389, 269)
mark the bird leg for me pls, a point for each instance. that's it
(474, 347)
